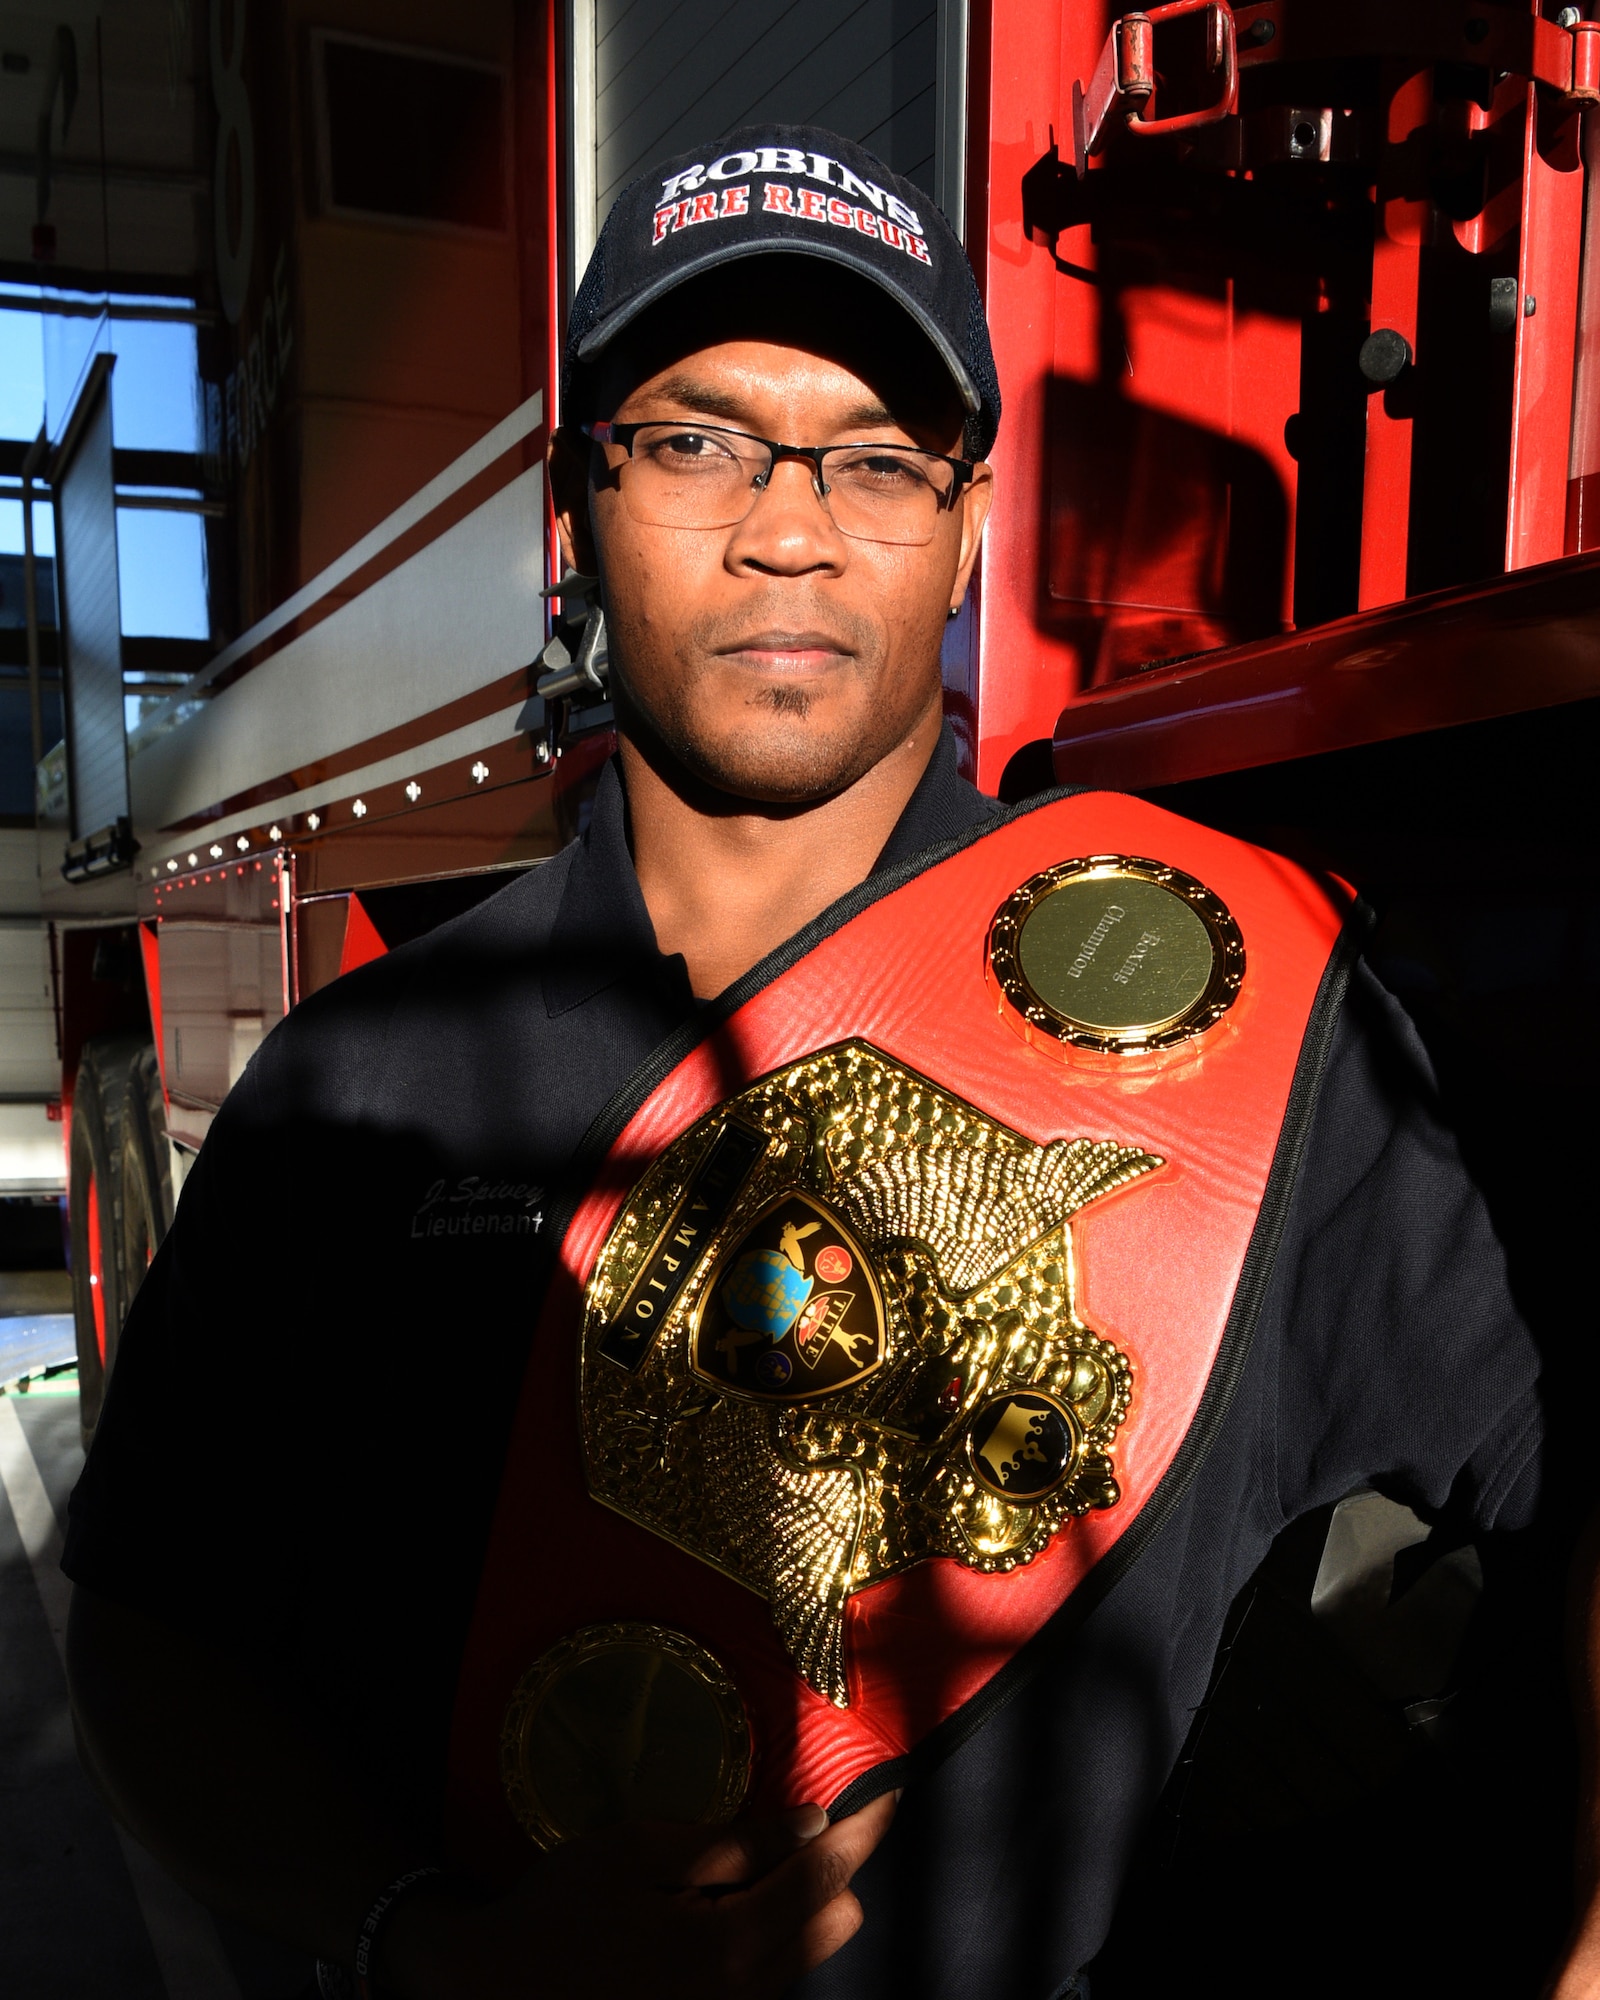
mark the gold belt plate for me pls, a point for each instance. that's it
(1117, 953)
(833, 1332)
(627, 1721)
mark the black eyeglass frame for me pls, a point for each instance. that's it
(624, 435)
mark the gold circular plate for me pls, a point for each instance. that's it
(1115, 952)
(623, 1722)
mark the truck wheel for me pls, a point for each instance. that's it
(94, 1212)
(147, 1191)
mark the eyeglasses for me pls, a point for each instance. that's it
(680, 475)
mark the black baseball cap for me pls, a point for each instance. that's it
(794, 189)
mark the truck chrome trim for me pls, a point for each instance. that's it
(472, 740)
(459, 613)
(582, 193)
(950, 115)
(511, 430)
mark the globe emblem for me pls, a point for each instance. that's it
(764, 1293)
(768, 1326)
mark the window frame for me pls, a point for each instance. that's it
(326, 206)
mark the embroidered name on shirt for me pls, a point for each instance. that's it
(476, 1206)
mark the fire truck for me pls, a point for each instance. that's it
(1296, 306)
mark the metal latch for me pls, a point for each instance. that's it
(102, 853)
(585, 675)
(1125, 78)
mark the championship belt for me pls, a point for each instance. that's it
(895, 1316)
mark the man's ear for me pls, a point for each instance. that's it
(974, 512)
(567, 458)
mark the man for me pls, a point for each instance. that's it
(817, 1448)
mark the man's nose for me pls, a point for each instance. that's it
(789, 529)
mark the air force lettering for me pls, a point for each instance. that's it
(862, 1348)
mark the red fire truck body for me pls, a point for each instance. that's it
(1297, 338)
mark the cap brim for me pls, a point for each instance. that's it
(605, 330)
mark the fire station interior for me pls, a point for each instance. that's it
(312, 296)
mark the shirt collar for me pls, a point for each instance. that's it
(943, 806)
(603, 931)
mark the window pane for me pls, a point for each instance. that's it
(153, 386)
(44, 528)
(21, 375)
(70, 344)
(13, 590)
(162, 573)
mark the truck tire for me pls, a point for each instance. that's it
(94, 1214)
(146, 1168)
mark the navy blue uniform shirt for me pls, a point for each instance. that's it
(302, 1441)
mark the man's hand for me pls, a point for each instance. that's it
(254, 1812)
(678, 1913)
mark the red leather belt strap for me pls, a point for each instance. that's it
(1158, 1264)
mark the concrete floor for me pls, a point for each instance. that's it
(83, 1910)
(32, 1344)
(36, 1331)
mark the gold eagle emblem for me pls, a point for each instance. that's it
(833, 1332)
